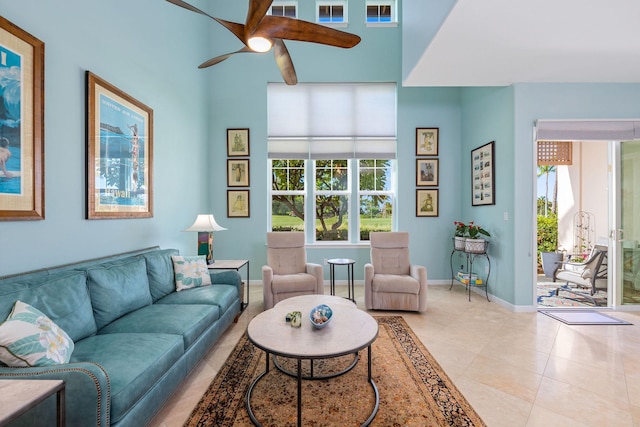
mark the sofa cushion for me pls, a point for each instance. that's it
(29, 338)
(189, 321)
(190, 272)
(222, 296)
(63, 297)
(160, 272)
(133, 362)
(117, 289)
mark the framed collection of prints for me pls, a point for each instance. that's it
(427, 172)
(238, 173)
(483, 175)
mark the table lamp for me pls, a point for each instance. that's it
(205, 225)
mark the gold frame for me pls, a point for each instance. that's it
(132, 194)
(29, 203)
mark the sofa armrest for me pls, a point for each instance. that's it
(87, 390)
(368, 279)
(227, 277)
(318, 273)
(419, 272)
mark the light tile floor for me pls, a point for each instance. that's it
(516, 369)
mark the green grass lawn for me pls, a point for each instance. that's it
(292, 222)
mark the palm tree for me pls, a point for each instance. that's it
(546, 170)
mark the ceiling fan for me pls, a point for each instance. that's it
(261, 32)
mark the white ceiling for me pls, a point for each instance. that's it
(501, 42)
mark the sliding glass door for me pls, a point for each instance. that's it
(628, 234)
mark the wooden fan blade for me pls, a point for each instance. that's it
(280, 27)
(284, 62)
(234, 27)
(257, 10)
(219, 59)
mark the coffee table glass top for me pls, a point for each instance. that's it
(350, 330)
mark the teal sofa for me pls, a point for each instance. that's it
(135, 337)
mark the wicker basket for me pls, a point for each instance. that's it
(458, 243)
(475, 246)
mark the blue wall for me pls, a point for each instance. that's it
(142, 48)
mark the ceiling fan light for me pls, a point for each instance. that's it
(259, 44)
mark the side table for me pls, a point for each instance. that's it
(18, 397)
(332, 277)
(234, 264)
(471, 256)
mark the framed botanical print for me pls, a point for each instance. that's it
(483, 178)
(427, 141)
(237, 142)
(427, 203)
(119, 153)
(21, 124)
(427, 172)
(238, 172)
(238, 203)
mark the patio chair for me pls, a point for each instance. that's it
(590, 274)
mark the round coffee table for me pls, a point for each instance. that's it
(350, 331)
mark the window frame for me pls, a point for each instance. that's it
(284, 3)
(353, 194)
(332, 3)
(393, 5)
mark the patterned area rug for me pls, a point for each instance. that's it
(414, 390)
(576, 298)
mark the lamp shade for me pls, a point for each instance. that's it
(205, 222)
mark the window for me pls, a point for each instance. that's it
(381, 12)
(332, 12)
(284, 8)
(332, 150)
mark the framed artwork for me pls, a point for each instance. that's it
(21, 124)
(427, 172)
(119, 153)
(427, 203)
(483, 178)
(238, 203)
(237, 142)
(427, 141)
(238, 172)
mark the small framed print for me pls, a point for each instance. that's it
(427, 203)
(238, 173)
(427, 172)
(238, 203)
(237, 142)
(483, 178)
(427, 141)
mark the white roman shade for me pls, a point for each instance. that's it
(587, 130)
(332, 121)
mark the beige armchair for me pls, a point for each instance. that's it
(390, 281)
(287, 273)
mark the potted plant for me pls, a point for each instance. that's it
(475, 243)
(460, 235)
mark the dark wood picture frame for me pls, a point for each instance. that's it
(22, 167)
(427, 172)
(238, 173)
(120, 185)
(483, 175)
(238, 144)
(238, 205)
(427, 203)
(427, 141)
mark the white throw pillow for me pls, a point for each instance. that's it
(190, 272)
(30, 338)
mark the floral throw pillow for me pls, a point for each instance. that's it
(190, 272)
(30, 338)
